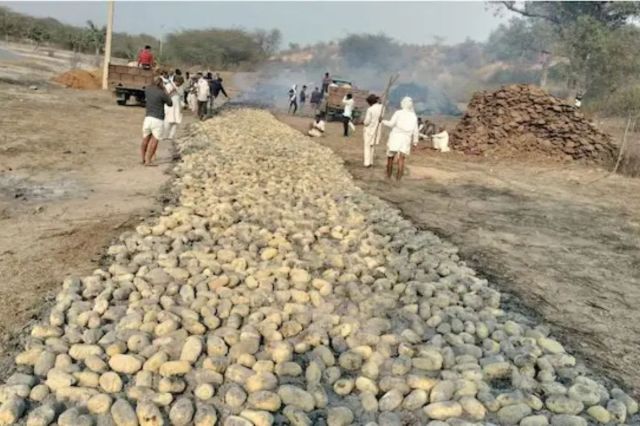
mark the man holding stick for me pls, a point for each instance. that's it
(371, 132)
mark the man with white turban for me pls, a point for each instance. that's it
(404, 133)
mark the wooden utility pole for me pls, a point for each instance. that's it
(107, 47)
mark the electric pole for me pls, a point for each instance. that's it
(107, 47)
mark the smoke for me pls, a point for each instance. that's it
(421, 76)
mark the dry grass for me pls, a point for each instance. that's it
(630, 164)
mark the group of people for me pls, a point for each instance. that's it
(406, 131)
(299, 100)
(165, 100)
(163, 112)
(202, 92)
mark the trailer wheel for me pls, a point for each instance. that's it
(124, 99)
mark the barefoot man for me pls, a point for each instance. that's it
(153, 125)
(404, 133)
(372, 129)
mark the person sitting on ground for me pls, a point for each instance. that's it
(153, 125)
(317, 128)
(347, 114)
(441, 140)
(316, 99)
(426, 129)
(145, 58)
(404, 133)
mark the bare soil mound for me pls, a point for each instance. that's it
(524, 119)
(80, 79)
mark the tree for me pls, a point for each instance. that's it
(219, 48)
(610, 13)
(95, 36)
(579, 31)
(269, 41)
(37, 34)
(521, 40)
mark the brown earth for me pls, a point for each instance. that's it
(70, 182)
(565, 240)
(80, 79)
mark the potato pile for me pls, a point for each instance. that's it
(275, 291)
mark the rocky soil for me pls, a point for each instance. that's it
(521, 118)
(277, 292)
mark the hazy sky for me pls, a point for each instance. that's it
(300, 22)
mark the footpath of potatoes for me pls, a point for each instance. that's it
(274, 291)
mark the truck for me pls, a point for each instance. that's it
(129, 82)
(338, 89)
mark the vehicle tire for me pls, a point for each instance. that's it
(124, 99)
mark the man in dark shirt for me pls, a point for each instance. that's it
(326, 81)
(303, 97)
(217, 87)
(153, 126)
(316, 99)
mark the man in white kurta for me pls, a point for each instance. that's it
(202, 92)
(404, 133)
(173, 114)
(372, 128)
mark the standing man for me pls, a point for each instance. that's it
(293, 99)
(371, 134)
(217, 87)
(145, 58)
(173, 113)
(210, 80)
(326, 81)
(153, 124)
(202, 94)
(404, 133)
(187, 87)
(347, 114)
(316, 99)
(303, 97)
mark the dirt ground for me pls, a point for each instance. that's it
(563, 239)
(70, 182)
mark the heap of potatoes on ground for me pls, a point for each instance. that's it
(274, 291)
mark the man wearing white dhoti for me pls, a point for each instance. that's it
(404, 133)
(372, 128)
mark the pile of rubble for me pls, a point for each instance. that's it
(526, 119)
